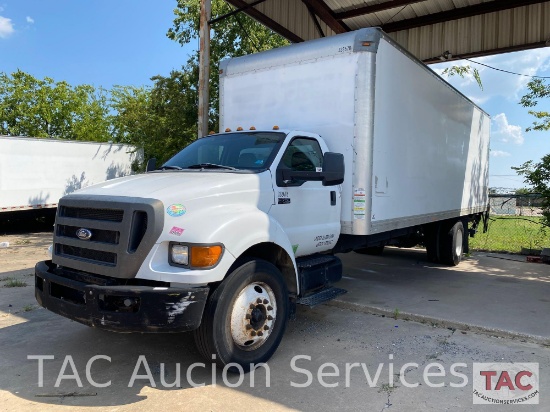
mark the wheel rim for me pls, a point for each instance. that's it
(458, 247)
(253, 316)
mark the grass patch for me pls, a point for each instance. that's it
(22, 242)
(28, 308)
(15, 283)
(511, 233)
(396, 314)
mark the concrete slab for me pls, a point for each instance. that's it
(323, 337)
(486, 292)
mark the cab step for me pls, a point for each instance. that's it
(318, 272)
(324, 295)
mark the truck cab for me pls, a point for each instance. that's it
(237, 224)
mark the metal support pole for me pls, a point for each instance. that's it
(204, 66)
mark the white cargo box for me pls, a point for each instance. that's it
(416, 150)
(36, 173)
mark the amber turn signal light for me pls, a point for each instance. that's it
(205, 256)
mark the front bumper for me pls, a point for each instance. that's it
(119, 308)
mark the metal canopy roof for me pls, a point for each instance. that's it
(427, 28)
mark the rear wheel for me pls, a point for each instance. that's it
(245, 317)
(451, 243)
(431, 241)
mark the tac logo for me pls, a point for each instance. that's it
(506, 383)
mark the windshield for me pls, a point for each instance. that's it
(231, 151)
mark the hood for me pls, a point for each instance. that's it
(170, 185)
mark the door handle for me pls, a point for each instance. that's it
(333, 198)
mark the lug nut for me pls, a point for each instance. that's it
(269, 317)
(259, 300)
(253, 333)
(266, 301)
(266, 327)
(252, 306)
(260, 333)
(248, 327)
(269, 308)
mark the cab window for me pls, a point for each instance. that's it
(304, 155)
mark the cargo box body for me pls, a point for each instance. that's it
(416, 150)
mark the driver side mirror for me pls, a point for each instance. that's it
(333, 169)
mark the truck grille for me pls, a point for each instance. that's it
(86, 254)
(103, 236)
(123, 231)
(92, 214)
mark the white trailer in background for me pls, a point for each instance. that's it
(36, 173)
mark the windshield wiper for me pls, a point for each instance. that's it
(169, 167)
(210, 166)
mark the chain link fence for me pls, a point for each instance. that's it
(515, 225)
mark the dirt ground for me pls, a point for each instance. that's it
(17, 271)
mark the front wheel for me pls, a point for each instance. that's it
(245, 317)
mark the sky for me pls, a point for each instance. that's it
(123, 42)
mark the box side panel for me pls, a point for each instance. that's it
(37, 172)
(315, 96)
(430, 150)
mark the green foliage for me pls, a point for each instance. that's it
(463, 71)
(523, 191)
(161, 120)
(45, 108)
(511, 234)
(538, 176)
(538, 89)
(234, 36)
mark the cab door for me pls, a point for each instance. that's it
(308, 211)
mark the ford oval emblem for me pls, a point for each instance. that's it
(83, 234)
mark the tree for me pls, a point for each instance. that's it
(45, 108)
(234, 36)
(463, 71)
(538, 174)
(538, 89)
(161, 119)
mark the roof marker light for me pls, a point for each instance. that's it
(239, 129)
(275, 127)
(227, 130)
(252, 128)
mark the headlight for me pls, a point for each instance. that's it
(195, 256)
(179, 254)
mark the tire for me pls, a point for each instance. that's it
(372, 250)
(431, 241)
(245, 317)
(451, 243)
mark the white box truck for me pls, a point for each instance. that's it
(36, 173)
(339, 144)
